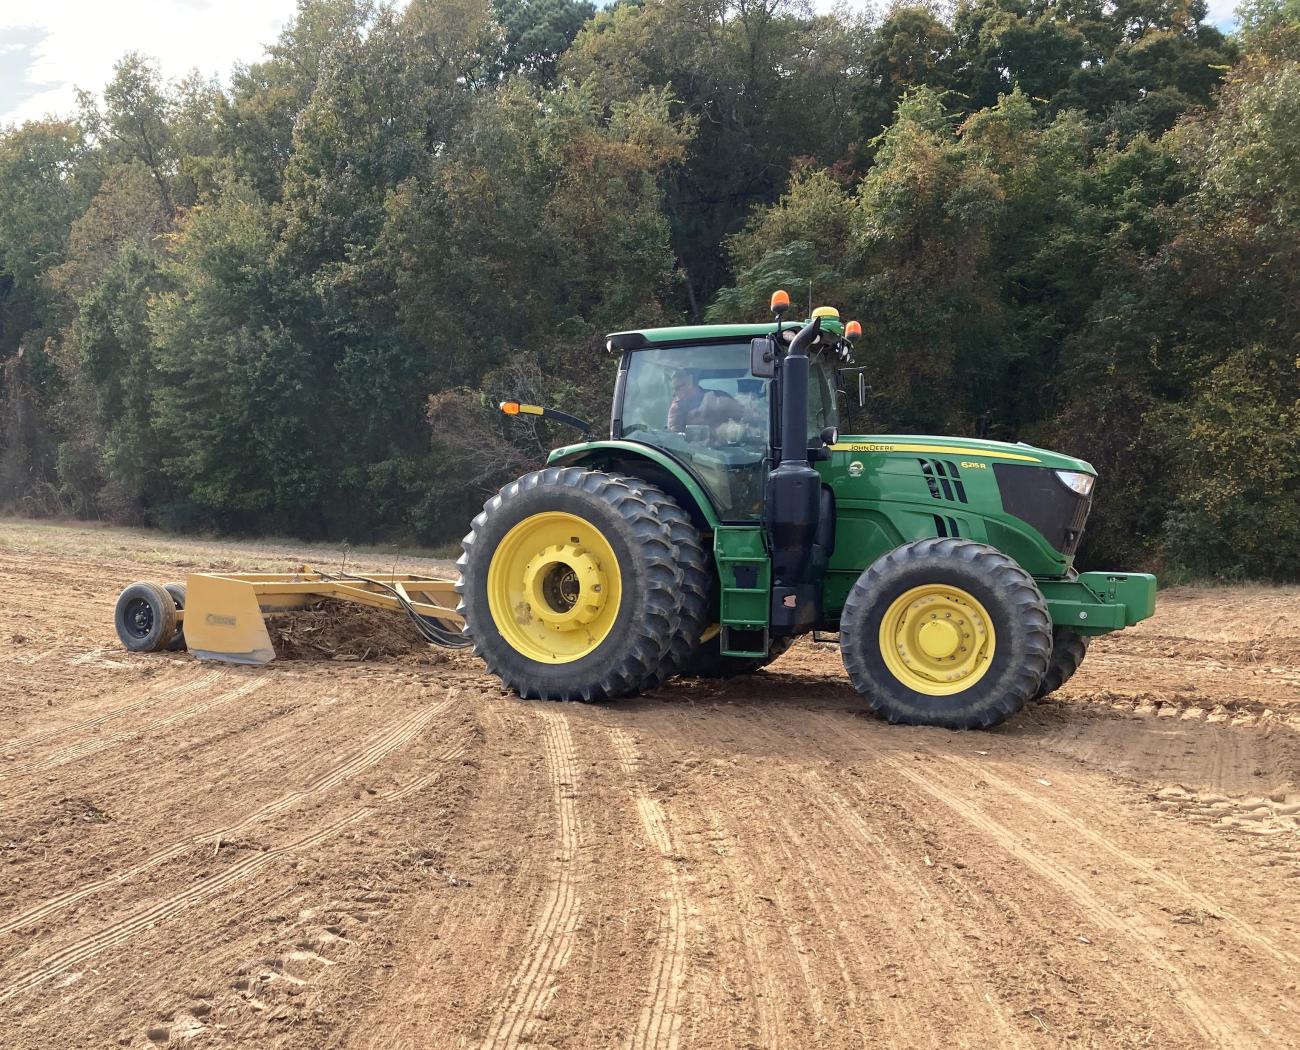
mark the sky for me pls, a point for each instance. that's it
(50, 49)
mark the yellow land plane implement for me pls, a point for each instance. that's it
(220, 616)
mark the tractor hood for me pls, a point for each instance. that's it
(969, 448)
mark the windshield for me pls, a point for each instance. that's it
(702, 405)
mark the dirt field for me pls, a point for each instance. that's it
(396, 854)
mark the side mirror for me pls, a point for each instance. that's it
(863, 389)
(762, 358)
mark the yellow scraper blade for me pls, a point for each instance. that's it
(224, 622)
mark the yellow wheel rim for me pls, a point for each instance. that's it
(553, 587)
(937, 639)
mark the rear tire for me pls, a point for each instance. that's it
(708, 662)
(145, 618)
(697, 578)
(569, 586)
(946, 632)
(1068, 651)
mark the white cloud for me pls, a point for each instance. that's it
(50, 49)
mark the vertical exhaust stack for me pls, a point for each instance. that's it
(793, 498)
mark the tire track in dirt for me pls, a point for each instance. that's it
(86, 748)
(146, 918)
(552, 938)
(170, 692)
(659, 1025)
(954, 916)
(910, 905)
(1207, 1017)
(728, 878)
(817, 948)
(448, 963)
(1208, 904)
(379, 748)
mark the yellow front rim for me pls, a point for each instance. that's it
(937, 639)
(553, 587)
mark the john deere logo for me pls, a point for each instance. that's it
(220, 621)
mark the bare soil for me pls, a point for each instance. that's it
(395, 852)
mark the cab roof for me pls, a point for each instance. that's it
(640, 338)
(688, 334)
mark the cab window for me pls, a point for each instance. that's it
(702, 405)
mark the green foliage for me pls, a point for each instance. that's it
(290, 302)
(1239, 444)
(535, 34)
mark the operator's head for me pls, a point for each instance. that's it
(684, 382)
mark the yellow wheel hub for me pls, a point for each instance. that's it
(937, 639)
(554, 587)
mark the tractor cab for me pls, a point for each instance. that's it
(696, 394)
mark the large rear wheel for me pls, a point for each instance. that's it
(707, 661)
(946, 632)
(569, 586)
(697, 577)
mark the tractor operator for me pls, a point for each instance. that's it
(692, 404)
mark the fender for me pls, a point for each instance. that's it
(624, 454)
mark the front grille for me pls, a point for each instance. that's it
(1036, 496)
(943, 479)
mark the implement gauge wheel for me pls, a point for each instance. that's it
(145, 618)
(946, 632)
(1068, 650)
(569, 585)
(177, 591)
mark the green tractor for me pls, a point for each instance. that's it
(726, 516)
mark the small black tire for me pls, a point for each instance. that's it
(650, 605)
(697, 578)
(1068, 650)
(177, 591)
(1018, 617)
(708, 661)
(145, 618)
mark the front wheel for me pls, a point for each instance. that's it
(1068, 650)
(946, 632)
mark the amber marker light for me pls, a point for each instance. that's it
(853, 331)
(510, 408)
(780, 301)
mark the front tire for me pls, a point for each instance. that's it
(569, 586)
(946, 632)
(1068, 650)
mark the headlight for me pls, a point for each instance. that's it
(1072, 479)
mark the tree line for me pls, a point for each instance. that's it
(287, 302)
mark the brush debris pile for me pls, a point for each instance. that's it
(335, 630)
